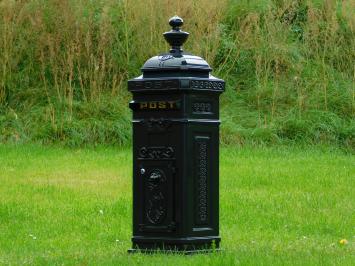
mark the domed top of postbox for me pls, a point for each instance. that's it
(176, 70)
(176, 62)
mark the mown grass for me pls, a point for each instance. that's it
(279, 206)
(289, 67)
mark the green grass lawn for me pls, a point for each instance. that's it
(279, 206)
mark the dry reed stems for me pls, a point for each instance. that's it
(81, 50)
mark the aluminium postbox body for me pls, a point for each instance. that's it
(175, 151)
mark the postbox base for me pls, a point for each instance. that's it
(188, 245)
(183, 252)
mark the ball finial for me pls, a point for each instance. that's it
(176, 22)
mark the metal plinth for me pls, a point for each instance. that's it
(188, 245)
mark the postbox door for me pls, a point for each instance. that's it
(157, 196)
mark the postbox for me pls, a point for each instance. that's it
(175, 151)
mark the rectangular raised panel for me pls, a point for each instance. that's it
(155, 167)
(157, 179)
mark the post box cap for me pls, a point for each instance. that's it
(176, 61)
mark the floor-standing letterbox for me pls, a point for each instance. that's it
(175, 151)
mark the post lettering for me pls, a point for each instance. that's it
(143, 105)
(171, 104)
(152, 105)
(162, 105)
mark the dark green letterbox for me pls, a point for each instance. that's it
(175, 151)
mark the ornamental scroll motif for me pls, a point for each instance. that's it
(156, 153)
(202, 173)
(207, 84)
(201, 107)
(157, 125)
(156, 199)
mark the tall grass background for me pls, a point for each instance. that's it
(289, 67)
